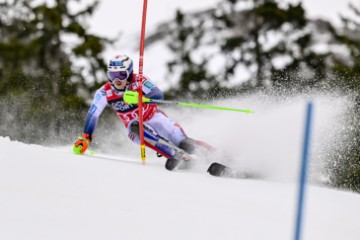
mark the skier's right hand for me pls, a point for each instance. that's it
(82, 143)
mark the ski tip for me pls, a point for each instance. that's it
(220, 170)
(216, 169)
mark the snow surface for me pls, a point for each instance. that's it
(50, 193)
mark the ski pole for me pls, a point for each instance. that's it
(131, 97)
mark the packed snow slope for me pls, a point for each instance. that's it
(50, 193)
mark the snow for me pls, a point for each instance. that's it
(50, 193)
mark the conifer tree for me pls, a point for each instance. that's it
(39, 78)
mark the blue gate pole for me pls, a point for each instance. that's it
(303, 173)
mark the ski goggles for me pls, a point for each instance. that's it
(121, 75)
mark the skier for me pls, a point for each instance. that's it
(161, 133)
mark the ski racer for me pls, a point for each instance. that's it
(161, 133)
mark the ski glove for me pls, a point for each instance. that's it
(82, 143)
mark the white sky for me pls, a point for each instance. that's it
(115, 16)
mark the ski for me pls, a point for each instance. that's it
(220, 170)
(172, 164)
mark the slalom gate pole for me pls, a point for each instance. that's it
(141, 68)
(303, 172)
